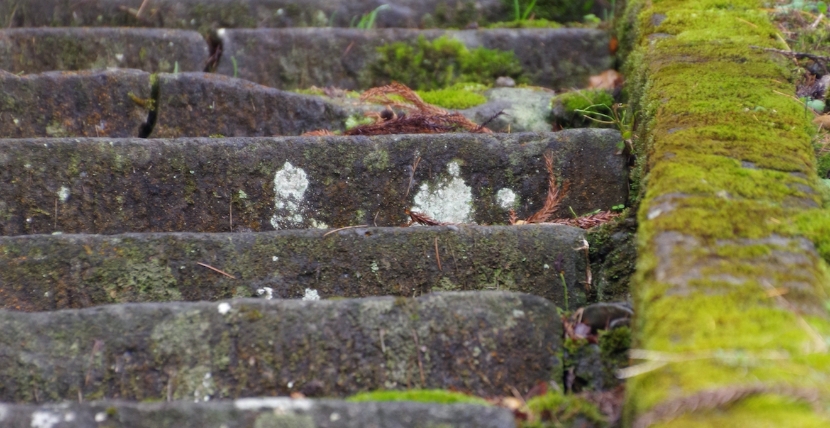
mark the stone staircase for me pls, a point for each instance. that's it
(173, 253)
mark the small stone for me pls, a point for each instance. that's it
(505, 82)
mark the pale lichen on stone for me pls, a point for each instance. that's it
(448, 199)
(506, 198)
(290, 184)
(311, 294)
(63, 193)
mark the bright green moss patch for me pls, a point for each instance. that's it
(555, 409)
(456, 97)
(429, 65)
(815, 226)
(438, 396)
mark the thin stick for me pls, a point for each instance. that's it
(216, 270)
(375, 220)
(418, 353)
(437, 256)
(412, 174)
(382, 345)
(141, 8)
(230, 211)
(344, 228)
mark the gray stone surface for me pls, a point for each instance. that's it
(83, 103)
(265, 412)
(75, 271)
(204, 104)
(36, 50)
(301, 57)
(99, 104)
(139, 185)
(525, 110)
(203, 15)
(479, 342)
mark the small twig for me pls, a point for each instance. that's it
(588, 277)
(375, 220)
(815, 23)
(418, 353)
(437, 256)
(412, 173)
(230, 210)
(822, 60)
(382, 345)
(344, 228)
(141, 8)
(216, 270)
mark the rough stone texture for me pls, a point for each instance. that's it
(98, 104)
(61, 104)
(75, 271)
(203, 15)
(301, 57)
(35, 50)
(480, 342)
(137, 185)
(525, 110)
(203, 104)
(267, 412)
(729, 296)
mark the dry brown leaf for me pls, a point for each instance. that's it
(608, 79)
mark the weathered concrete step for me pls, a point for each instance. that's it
(203, 15)
(108, 104)
(479, 342)
(300, 57)
(47, 272)
(268, 412)
(197, 185)
(35, 50)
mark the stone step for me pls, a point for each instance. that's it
(204, 15)
(48, 272)
(115, 103)
(36, 50)
(300, 57)
(266, 412)
(484, 343)
(235, 184)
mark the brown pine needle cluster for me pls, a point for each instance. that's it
(587, 221)
(418, 117)
(422, 219)
(552, 201)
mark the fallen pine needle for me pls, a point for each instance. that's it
(344, 228)
(216, 270)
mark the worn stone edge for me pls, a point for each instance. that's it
(751, 190)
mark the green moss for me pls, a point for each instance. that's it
(428, 65)
(455, 97)
(555, 409)
(420, 395)
(526, 23)
(575, 109)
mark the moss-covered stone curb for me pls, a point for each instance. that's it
(197, 185)
(36, 50)
(483, 343)
(131, 103)
(43, 272)
(266, 412)
(732, 327)
(301, 57)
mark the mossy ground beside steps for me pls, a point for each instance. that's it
(729, 294)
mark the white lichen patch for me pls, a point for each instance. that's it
(276, 403)
(44, 419)
(268, 292)
(311, 294)
(224, 308)
(63, 193)
(319, 224)
(448, 199)
(506, 198)
(290, 184)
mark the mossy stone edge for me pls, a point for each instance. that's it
(730, 195)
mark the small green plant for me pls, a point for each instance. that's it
(556, 409)
(522, 15)
(367, 21)
(618, 208)
(429, 65)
